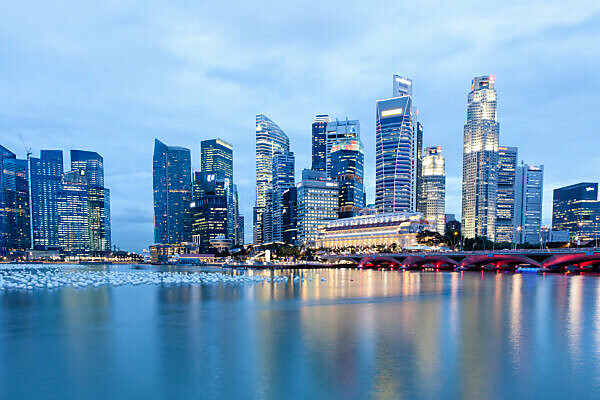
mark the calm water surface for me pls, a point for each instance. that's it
(359, 334)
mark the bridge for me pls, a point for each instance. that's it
(548, 260)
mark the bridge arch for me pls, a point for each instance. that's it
(499, 261)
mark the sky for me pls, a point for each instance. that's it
(111, 77)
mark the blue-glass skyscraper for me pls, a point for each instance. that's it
(171, 176)
(577, 208)
(73, 213)
(15, 228)
(90, 162)
(347, 168)
(319, 142)
(209, 208)
(270, 139)
(338, 131)
(284, 165)
(45, 176)
(395, 151)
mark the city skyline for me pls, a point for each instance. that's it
(528, 108)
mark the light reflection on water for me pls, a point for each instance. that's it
(358, 334)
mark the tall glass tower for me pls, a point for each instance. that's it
(90, 162)
(480, 160)
(347, 168)
(319, 142)
(15, 228)
(338, 131)
(171, 178)
(73, 211)
(270, 139)
(528, 203)
(434, 188)
(395, 151)
(45, 176)
(284, 165)
(505, 204)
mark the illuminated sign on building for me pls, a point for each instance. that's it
(392, 112)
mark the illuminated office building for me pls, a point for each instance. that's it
(576, 208)
(395, 151)
(419, 168)
(317, 203)
(319, 142)
(338, 131)
(209, 209)
(289, 216)
(505, 203)
(171, 179)
(529, 193)
(45, 176)
(90, 162)
(283, 178)
(15, 224)
(270, 139)
(434, 189)
(347, 168)
(73, 213)
(480, 160)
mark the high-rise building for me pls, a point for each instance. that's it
(172, 193)
(216, 157)
(283, 178)
(289, 216)
(15, 223)
(480, 160)
(90, 162)
(241, 231)
(395, 152)
(347, 168)
(338, 131)
(319, 142)
(45, 176)
(73, 213)
(505, 203)
(419, 170)
(576, 208)
(270, 139)
(209, 208)
(317, 203)
(529, 195)
(434, 189)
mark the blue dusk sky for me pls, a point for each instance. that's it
(111, 77)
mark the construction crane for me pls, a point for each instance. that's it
(27, 149)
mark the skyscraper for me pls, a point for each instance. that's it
(319, 142)
(528, 203)
(480, 160)
(338, 131)
(419, 170)
(270, 138)
(395, 152)
(505, 204)
(73, 213)
(45, 176)
(434, 188)
(347, 168)
(90, 162)
(216, 157)
(172, 193)
(290, 216)
(209, 209)
(283, 178)
(576, 208)
(15, 223)
(317, 203)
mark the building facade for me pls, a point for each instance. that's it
(284, 164)
(372, 231)
(576, 208)
(45, 176)
(90, 162)
(15, 223)
(289, 216)
(338, 131)
(73, 213)
(395, 151)
(171, 178)
(319, 142)
(347, 168)
(209, 209)
(317, 203)
(505, 204)
(270, 139)
(529, 195)
(434, 189)
(480, 160)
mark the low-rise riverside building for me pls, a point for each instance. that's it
(370, 231)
